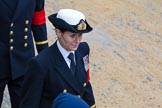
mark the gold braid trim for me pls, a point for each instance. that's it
(93, 106)
(41, 42)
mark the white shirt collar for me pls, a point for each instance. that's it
(64, 52)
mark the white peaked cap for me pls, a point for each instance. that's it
(70, 16)
(70, 20)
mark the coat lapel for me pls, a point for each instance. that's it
(64, 70)
(9, 7)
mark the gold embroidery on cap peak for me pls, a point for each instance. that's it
(82, 25)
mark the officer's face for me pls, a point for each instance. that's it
(69, 40)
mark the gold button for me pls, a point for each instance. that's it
(27, 22)
(25, 37)
(11, 48)
(64, 91)
(79, 96)
(11, 40)
(11, 32)
(84, 84)
(12, 24)
(26, 44)
(26, 29)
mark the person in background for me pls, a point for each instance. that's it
(20, 20)
(63, 67)
(67, 100)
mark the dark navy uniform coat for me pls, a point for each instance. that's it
(19, 19)
(49, 75)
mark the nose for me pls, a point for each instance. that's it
(78, 38)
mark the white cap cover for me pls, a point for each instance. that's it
(73, 17)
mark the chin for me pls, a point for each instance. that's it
(74, 49)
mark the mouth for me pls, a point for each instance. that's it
(75, 45)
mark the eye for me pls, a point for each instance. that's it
(80, 34)
(73, 35)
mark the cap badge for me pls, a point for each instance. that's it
(82, 25)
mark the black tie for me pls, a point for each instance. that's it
(72, 64)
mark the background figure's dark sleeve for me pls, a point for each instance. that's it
(39, 26)
(32, 86)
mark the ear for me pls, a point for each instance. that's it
(58, 32)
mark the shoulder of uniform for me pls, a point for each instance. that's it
(84, 48)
